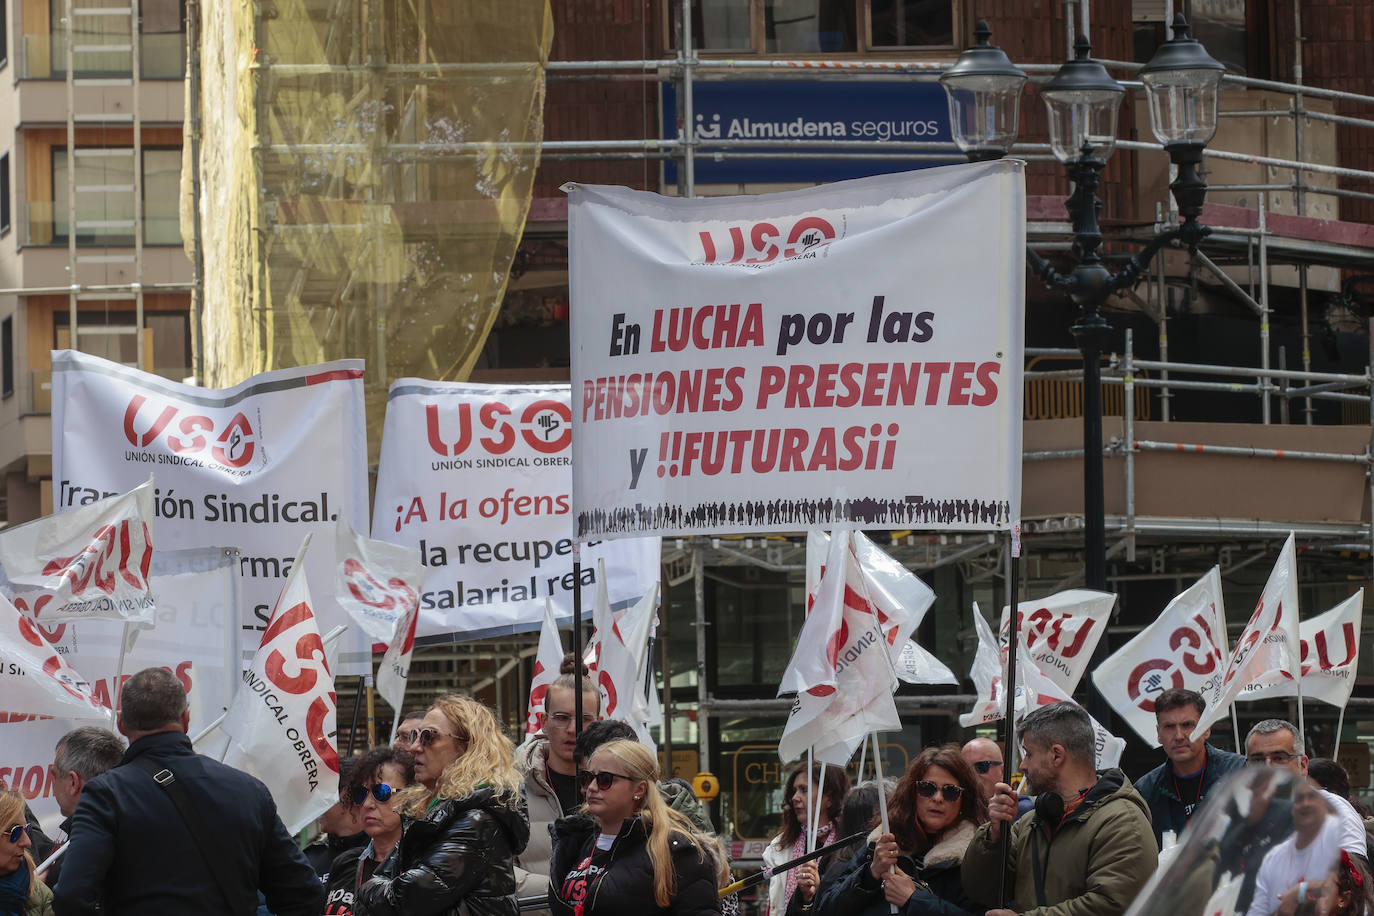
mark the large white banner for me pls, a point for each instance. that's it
(847, 356)
(255, 466)
(479, 478)
(195, 635)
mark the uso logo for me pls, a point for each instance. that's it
(763, 242)
(544, 425)
(230, 445)
(1193, 648)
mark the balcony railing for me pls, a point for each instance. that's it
(35, 389)
(43, 226)
(44, 56)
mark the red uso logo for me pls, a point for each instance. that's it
(545, 425)
(231, 446)
(308, 660)
(1194, 648)
(1042, 624)
(100, 561)
(767, 241)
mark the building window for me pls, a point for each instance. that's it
(4, 193)
(810, 27)
(105, 210)
(113, 335)
(7, 356)
(101, 42)
(1231, 31)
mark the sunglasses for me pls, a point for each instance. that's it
(427, 736)
(381, 791)
(927, 789)
(17, 831)
(604, 780)
(983, 766)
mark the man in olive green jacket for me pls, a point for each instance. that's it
(1086, 850)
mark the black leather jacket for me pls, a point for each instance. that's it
(461, 853)
(627, 884)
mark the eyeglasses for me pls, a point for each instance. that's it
(17, 831)
(381, 791)
(564, 720)
(1273, 759)
(927, 789)
(982, 766)
(604, 780)
(427, 736)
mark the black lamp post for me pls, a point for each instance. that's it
(1082, 100)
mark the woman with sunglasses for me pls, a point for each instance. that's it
(630, 853)
(373, 781)
(790, 890)
(465, 821)
(933, 813)
(21, 893)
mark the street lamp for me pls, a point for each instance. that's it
(1082, 100)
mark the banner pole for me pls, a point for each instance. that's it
(863, 759)
(577, 636)
(357, 706)
(1235, 726)
(1340, 727)
(1009, 719)
(118, 690)
(371, 713)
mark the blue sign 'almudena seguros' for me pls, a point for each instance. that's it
(881, 111)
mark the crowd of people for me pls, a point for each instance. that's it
(452, 818)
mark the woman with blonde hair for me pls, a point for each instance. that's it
(21, 893)
(630, 848)
(465, 821)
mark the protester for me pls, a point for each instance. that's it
(791, 839)
(1104, 850)
(133, 853)
(409, 722)
(1260, 818)
(81, 755)
(468, 821)
(21, 891)
(677, 793)
(933, 813)
(341, 827)
(858, 814)
(1332, 777)
(1348, 890)
(1176, 789)
(1293, 870)
(372, 787)
(548, 767)
(985, 756)
(631, 854)
(1276, 743)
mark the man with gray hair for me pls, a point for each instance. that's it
(81, 755)
(1104, 849)
(169, 832)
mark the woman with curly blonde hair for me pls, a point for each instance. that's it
(21, 893)
(465, 821)
(630, 853)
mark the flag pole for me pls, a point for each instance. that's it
(810, 797)
(1009, 719)
(371, 714)
(118, 690)
(882, 798)
(357, 706)
(1235, 726)
(1340, 727)
(817, 795)
(577, 636)
(863, 758)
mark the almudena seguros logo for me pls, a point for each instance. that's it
(766, 241)
(190, 436)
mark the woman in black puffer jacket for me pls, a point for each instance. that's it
(633, 854)
(466, 822)
(933, 814)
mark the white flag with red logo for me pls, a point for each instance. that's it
(841, 669)
(37, 680)
(282, 721)
(623, 668)
(1330, 651)
(1060, 632)
(1185, 646)
(88, 562)
(547, 665)
(989, 675)
(393, 672)
(378, 582)
(1267, 650)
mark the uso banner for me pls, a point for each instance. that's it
(479, 478)
(847, 356)
(256, 466)
(195, 635)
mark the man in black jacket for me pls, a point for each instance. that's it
(132, 851)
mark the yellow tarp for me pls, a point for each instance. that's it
(366, 174)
